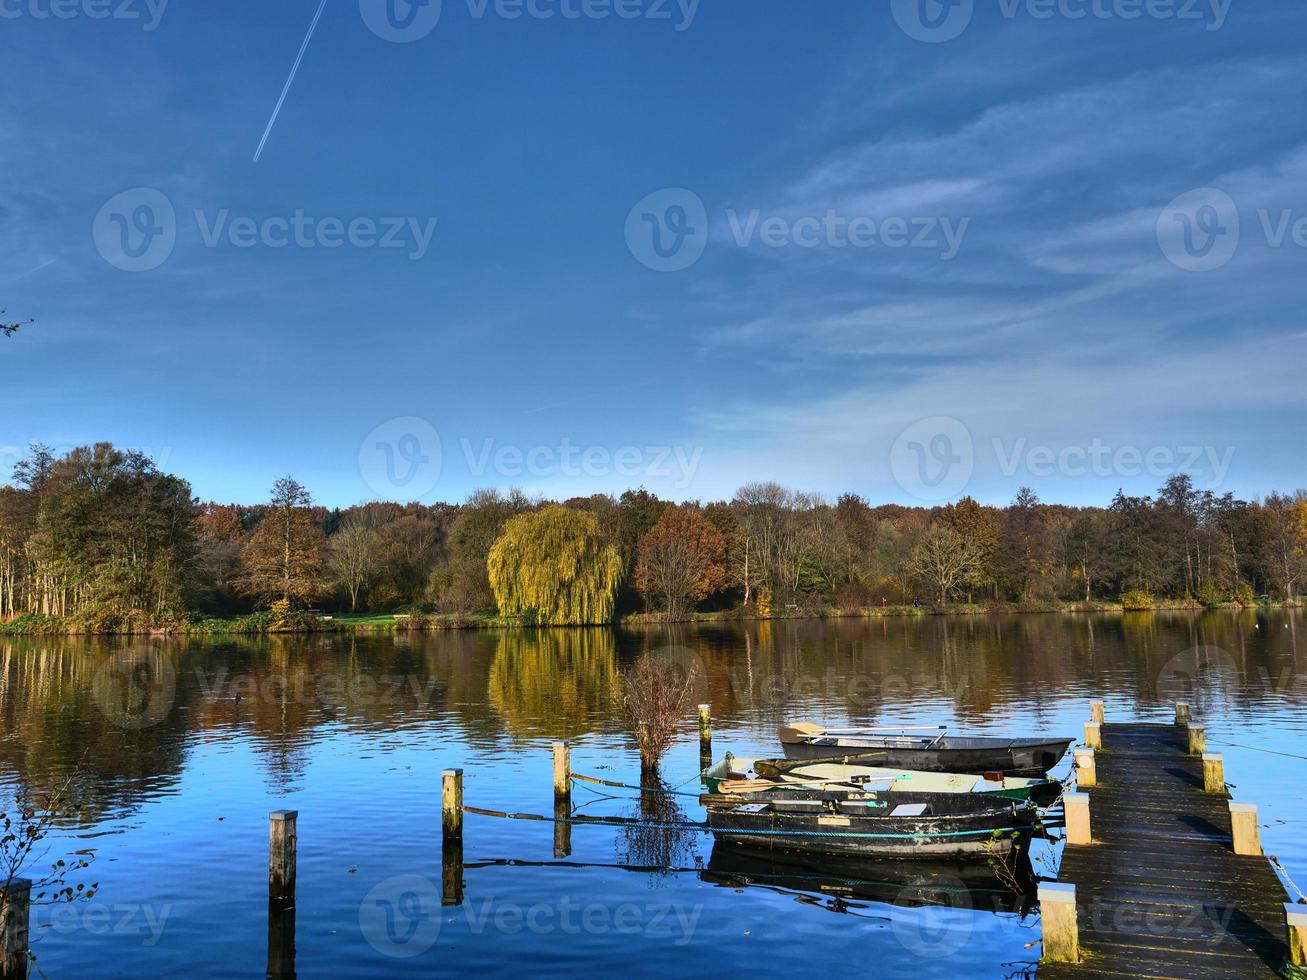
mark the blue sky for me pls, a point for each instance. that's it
(911, 268)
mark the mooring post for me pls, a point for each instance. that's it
(1296, 919)
(1057, 912)
(1181, 713)
(1197, 739)
(15, 906)
(1094, 735)
(281, 938)
(1213, 773)
(705, 726)
(283, 836)
(1086, 769)
(1096, 712)
(562, 771)
(1243, 824)
(451, 804)
(1078, 829)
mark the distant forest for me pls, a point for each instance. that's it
(102, 538)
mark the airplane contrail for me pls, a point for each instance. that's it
(290, 80)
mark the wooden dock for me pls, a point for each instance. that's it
(1159, 890)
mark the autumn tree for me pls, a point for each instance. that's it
(945, 561)
(356, 556)
(550, 567)
(461, 583)
(681, 559)
(282, 560)
(1286, 518)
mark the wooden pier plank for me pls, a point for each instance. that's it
(1160, 893)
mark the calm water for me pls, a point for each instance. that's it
(186, 746)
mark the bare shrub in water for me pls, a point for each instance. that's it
(657, 698)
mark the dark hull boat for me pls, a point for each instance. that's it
(926, 753)
(956, 826)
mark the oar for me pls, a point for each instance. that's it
(759, 785)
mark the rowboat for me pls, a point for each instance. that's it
(738, 776)
(926, 750)
(952, 826)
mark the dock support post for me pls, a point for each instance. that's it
(1078, 829)
(1243, 824)
(283, 837)
(705, 727)
(15, 905)
(281, 938)
(1197, 739)
(1213, 773)
(1296, 919)
(562, 771)
(1181, 713)
(1057, 912)
(1096, 712)
(1086, 768)
(1094, 735)
(451, 804)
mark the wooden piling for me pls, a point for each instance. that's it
(562, 771)
(15, 912)
(283, 838)
(705, 725)
(1243, 826)
(562, 829)
(1086, 768)
(1296, 920)
(1078, 829)
(1181, 713)
(1197, 739)
(1096, 712)
(451, 804)
(281, 938)
(1213, 773)
(1057, 913)
(1094, 735)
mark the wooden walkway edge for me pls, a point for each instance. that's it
(1160, 892)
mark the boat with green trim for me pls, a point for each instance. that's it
(741, 776)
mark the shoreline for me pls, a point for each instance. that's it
(259, 624)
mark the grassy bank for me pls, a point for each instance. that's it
(301, 622)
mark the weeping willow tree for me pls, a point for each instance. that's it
(550, 568)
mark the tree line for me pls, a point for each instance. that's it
(101, 536)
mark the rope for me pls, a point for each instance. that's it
(1291, 883)
(705, 828)
(642, 789)
(1254, 748)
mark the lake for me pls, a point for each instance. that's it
(186, 745)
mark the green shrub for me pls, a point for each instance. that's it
(1138, 600)
(1210, 594)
